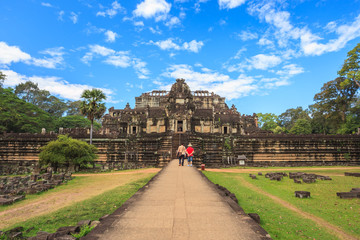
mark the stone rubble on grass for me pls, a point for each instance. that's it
(354, 193)
(13, 189)
(302, 194)
(352, 174)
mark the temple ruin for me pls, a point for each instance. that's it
(179, 111)
(150, 133)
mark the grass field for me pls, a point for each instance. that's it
(84, 197)
(323, 216)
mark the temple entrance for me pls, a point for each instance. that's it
(225, 130)
(177, 140)
(180, 126)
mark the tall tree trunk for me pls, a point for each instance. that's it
(91, 130)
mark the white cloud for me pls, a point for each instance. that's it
(265, 42)
(113, 11)
(55, 85)
(263, 62)
(169, 44)
(207, 79)
(246, 35)
(193, 46)
(10, 54)
(74, 17)
(111, 36)
(46, 4)
(121, 59)
(307, 42)
(60, 15)
(290, 70)
(346, 33)
(139, 23)
(230, 3)
(173, 22)
(155, 30)
(140, 68)
(157, 9)
(103, 51)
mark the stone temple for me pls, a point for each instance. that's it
(179, 110)
(150, 133)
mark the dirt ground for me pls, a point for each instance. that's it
(95, 184)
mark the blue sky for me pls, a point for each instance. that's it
(263, 56)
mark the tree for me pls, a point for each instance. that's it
(92, 106)
(335, 101)
(31, 93)
(351, 67)
(75, 121)
(66, 152)
(2, 79)
(73, 108)
(16, 115)
(267, 121)
(301, 126)
(290, 116)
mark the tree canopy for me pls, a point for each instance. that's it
(67, 152)
(75, 121)
(18, 115)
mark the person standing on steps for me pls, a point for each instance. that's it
(190, 154)
(180, 153)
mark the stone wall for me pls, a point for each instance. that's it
(280, 150)
(19, 152)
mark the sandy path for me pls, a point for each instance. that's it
(95, 184)
(330, 227)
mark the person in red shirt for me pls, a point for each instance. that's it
(190, 154)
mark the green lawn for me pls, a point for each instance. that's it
(282, 223)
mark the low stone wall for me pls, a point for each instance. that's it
(277, 150)
(19, 152)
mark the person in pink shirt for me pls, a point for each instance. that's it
(190, 154)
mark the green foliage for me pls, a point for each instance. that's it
(334, 102)
(301, 126)
(279, 130)
(73, 108)
(19, 116)
(290, 116)
(75, 121)
(66, 152)
(84, 230)
(350, 126)
(227, 144)
(267, 121)
(31, 93)
(351, 67)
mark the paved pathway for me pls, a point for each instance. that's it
(179, 204)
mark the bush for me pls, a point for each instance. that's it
(66, 152)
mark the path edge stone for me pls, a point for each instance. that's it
(106, 223)
(238, 209)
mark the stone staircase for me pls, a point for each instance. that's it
(165, 151)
